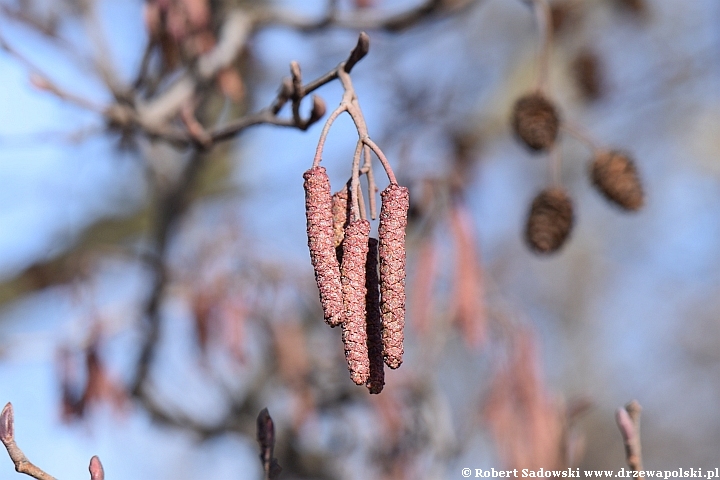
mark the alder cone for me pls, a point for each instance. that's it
(550, 220)
(354, 334)
(318, 209)
(536, 121)
(376, 381)
(615, 175)
(393, 220)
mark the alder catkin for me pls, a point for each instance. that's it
(354, 334)
(393, 220)
(535, 121)
(376, 381)
(318, 208)
(615, 175)
(341, 214)
(550, 220)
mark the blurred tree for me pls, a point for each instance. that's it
(460, 94)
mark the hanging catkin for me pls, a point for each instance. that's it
(393, 220)
(341, 214)
(354, 335)
(550, 220)
(318, 208)
(374, 320)
(616, 176)
(535, 121)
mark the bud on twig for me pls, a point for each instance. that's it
(7, 424)
(318, 208)
(615, 175)
(376, 380)
(96, 469)
(535, 121)
(318, 109)
(266, 439)
(355, 252)
(550, 220)
(393, 220)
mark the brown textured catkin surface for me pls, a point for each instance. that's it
(374, 320)
(616, 176)
(341, 214)
(393, 220)
(550, 220)
(354, 334)
(318, 209)
(536, 121)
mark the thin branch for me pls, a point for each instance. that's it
(372, 189)
(7, 436)
(628, 421)
(581, 135)
(367, 20)
(543, 16)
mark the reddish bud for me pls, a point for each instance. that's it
(96, 469)
(7, 424)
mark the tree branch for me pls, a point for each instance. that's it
(7, 436)
(628, 421)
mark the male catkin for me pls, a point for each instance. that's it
(393, 220)
(376, 380)
(354, 334)
(341, 214)
(318, 209)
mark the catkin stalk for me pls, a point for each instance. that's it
(354, 335)
(393, 220)
(318, 209)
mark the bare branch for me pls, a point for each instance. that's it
(7, 436)
(368, 20)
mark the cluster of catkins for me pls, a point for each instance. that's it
(536, 123)
(370, 307)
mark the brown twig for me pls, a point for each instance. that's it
(543, 16)
(628, 421)
(7, 436)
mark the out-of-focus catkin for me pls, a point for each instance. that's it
(550, 220)
(393, 220)
(615, 175)
(536, 121)
(318, 209)
(376, 381)
(354, 335)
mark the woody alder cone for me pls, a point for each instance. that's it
(616, 176)
(354, 335)
(393, 220)
(535, 121)
(550, 220)
(318, 209)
